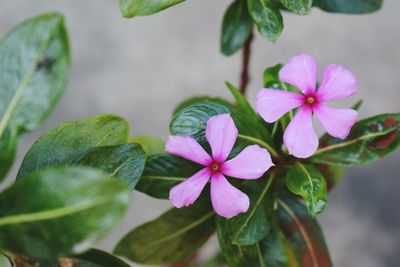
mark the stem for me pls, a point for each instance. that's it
(244, 74)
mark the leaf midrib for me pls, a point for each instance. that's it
(302, 230)
(265, 190)
(309, 178)
(183, 230)
(24, 84)
(356, 140)
(49, 214)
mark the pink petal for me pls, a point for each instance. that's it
(188, 148)
(186, 193)
(221, 134)
(272, 104)
(299, 137)
(227, 200)
(251, 163)
(337, 83)
(337, 122)
(300, 71)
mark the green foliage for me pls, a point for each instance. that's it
(151, 145)
(98, 141)
(306, 181)
(59, 211)
(133, 8)
(267, 18)
(368, 140)
(162, 172)
(236, 27)
(350, 7)
(34, 70)
(301, 7)
(172, 237)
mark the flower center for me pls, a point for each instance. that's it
(215, 167)
(310, 100)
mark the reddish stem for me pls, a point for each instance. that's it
(244, 75)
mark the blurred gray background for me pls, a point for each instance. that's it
(141, 68)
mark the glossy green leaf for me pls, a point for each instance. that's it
(66, 143)
(192, 121)
(199, 99)
(306, 181)
(173, 236)
(34, 70)
(236, 27)
(301, 7)
(123, 161)
(250, 227)
(350, 7)
(59, 211)
(150, 144)
(271, 76)
(369, 139)
(267, 17)
(133, 8)
(332, 174)
(162, 172)
(305, 244)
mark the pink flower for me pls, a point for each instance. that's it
(251, 163)
(337, 83)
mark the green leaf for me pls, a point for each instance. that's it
(34, 70)
(64, 144)
(199, 99)
(151, 145)
(60, 211)
(301, 7)
(306, 181)
(271, 77)
(236, 27)
(123, 161)
(267, 17)
(369, 139)
(133, 8)
(332, 174)
(192, 121)
(91, 258)
(350, 7)
(164, 171)
(173, 236)
(250, 227)
(303, 237)
(242, 103)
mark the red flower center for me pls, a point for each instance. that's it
(310, 100)
(215, 167)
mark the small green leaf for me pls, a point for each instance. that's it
(126, 162)
(332, 174)
(271, 77)
(133, 8)
(162, 172)
(236, 27)
(306, 181)
(34, 70)
(61, 211)
(350, 7)
(173, 236)
(267, 17)
(303, 237)
(151, 145)
(369, 139)
(250, 227)
(301, 7)
(63, 144)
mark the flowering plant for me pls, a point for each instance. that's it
(256, 176)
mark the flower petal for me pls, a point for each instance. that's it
(227, 200)
(186, 193)
(188, 148)
(272, 104)
(251, 163)
(300, 137)
(300, 71)
(337, 83)
(337, 122)
(221, 134)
